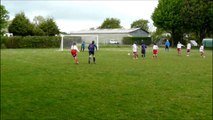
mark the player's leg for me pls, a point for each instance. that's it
(93, 56)
(90, 55)
(136, 55)
(74, 54)
(144, 55)
(76, 59)
(178, 51)
(202, 54)
(94, 60)
(189, 52)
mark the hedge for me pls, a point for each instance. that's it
(138, 40)
(30, 42)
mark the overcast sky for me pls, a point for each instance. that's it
(81, 15)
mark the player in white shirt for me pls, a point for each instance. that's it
(135, 51)
(188, 49)
(74, 51)
(202, 51)
(155, 51)
(179, 45)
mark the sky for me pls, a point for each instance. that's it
(73, 15)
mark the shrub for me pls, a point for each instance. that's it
(31, 42)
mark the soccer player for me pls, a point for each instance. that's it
(82, 46)
(135, 51)
(179, 45)
(74, 51)
(155, 51)
(143, 49)
(167, 44)
(92, 48)
(188, 49)
(202, 51)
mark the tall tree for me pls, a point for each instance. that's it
(167, 17)
(110, 23)
(4, 18)
(141, 23)
(49, 27)
(200, 21)
(21, 25)
(37, 20)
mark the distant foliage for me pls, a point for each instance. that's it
(49, 27)
(141, 23)
(110, 23)
(31, 42)
(4, 19)
(180, 17)
(21, 25)
(138, 40)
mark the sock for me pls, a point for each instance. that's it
(89, 60)
(94, 59)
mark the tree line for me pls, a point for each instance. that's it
(184, 19)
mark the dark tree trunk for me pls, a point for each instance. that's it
(173, 37)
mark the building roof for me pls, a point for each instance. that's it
(104, 31)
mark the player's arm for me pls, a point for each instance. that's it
(96, 47)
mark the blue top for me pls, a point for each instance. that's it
(92, 47)
(167, 43)
(83, 44)
(143, 46)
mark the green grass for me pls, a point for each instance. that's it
(45, 84)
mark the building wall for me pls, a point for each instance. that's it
(139, 33)
(105, 37)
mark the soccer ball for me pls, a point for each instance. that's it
(128, 53)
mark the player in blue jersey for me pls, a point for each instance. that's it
(167, 45)
(92, 48)
(143, 49)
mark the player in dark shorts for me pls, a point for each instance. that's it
(92, 48)
(143, 49)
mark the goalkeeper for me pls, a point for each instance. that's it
(92, 48)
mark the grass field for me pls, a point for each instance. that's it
(45, 84)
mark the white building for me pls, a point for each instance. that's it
(105, 35)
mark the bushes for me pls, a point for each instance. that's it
(31, 42)
(131, 40)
